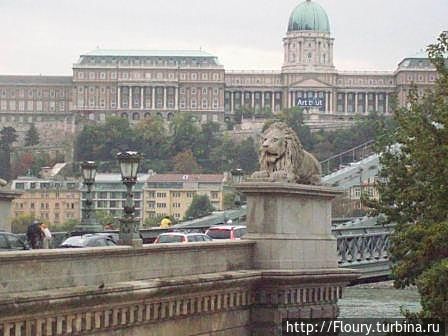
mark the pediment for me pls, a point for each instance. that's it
(310, 83)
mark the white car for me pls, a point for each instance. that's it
(226, 231)
(181, 237)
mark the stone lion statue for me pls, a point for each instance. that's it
(282, 157)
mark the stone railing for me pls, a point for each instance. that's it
(61, 268)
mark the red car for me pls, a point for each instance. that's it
(226, 232)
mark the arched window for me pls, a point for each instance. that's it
(147, 115)
(135, 116)
(124, 115)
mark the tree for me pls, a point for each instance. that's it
(185, 163)
(32, 136)
(103, 217)
(247, 156)
(20, 223)
(414, 191)
(69, 225)
(199, 207)
(152, 138)
(23, 164)
(8, 136)
(104, 141)
(185, 133)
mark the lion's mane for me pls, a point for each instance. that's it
(298, 165)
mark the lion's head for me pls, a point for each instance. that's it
(280, 147)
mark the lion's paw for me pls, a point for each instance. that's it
(263, 174)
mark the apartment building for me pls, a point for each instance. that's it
(52, 201)
(172, 194)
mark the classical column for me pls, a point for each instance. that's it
(153, 97)
(141, 97)
(376, 102)
(242, 99)
(164, 97)
(232, 107)
(252, 100)
(130, 96)
(331, 102)
(356, 102)
(262, 100)
(273, 102)
(346, 103)
(289, 99)
(176, 98)
(387, 103)
(366, 97)
(119, 98)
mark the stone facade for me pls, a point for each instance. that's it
(138, 84)
(172, 194)
(52, 201)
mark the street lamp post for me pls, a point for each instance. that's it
(88, 221)
(129, 227)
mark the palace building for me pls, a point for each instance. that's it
(136, 84)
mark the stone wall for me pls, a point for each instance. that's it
(65, 268)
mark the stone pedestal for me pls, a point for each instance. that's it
(291, 224)
(295, 251)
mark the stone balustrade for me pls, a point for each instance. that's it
(61, 268)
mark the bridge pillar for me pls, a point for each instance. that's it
(291, 225)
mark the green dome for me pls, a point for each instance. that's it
(309, 15)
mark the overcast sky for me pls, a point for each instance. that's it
(47, 36)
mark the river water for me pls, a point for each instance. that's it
(377, 301)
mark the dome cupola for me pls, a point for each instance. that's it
(309, 15)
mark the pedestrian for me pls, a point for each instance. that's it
(47, 236)
(35, 234)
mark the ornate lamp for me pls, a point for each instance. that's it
(129, 227)
(88, 221)
(237, 175)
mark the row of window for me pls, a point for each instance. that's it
(45, 215)
(102, 75)
(149, 60)
(30, 105)
(32, 92)
(113, 204)
(22, 205)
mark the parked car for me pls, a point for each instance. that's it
(89, 240)
(12, 242)
(181, 237)
(226, 232)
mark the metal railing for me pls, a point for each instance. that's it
(363, 248)
(355, 154)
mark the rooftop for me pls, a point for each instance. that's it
(149, 53)
(117, 178)
(211, 178)
(35, 80)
